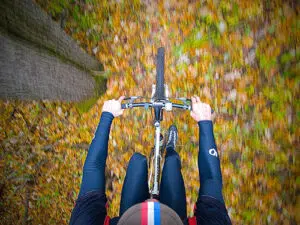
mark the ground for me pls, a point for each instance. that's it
(242, 57)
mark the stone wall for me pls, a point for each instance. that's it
(39, 60)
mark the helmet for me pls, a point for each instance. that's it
(150, 213)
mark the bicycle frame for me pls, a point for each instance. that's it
(159, 102)
(158, 107)
(155, 191)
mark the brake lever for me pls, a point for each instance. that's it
(130, 100)
(188, 100)
(183, 99)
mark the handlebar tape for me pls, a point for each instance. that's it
(124, 106)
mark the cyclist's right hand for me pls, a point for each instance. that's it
(200, 111)
(113, 106)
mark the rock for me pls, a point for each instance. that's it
(204, 11)
(123, 23)
(198, 35)
(200, 52)
(185, 127)
(13, 141)
(47, 148)
(250, 58)
(59, 111)
(184, 59)
(261, 33)
(167, 5)
(222, 27)
(116, 39)
(217, 76)
(234, 157)
(206, 92)
(268, 133)
(289, 114)
(95, 50)
(226, 57)
(232, 95)
(232, 75)
(114, 143)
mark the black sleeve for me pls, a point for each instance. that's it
(93, 178)
(210, 207)
(209, 162)
(89, 209)
(210, 211)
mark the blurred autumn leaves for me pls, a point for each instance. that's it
(242, 57)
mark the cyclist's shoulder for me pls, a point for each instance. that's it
(92, 197)
(89, 205)
(209, 210)
(207, 200)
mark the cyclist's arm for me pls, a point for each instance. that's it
(90, 206)
(209, 162)
(210, 207)
(208, 158)
(94, 167)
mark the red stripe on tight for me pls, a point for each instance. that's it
(193, 220)
(106, 221)
(144, 216)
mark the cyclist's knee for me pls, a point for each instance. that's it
(138, 158)
(173, 159)
(137, 164)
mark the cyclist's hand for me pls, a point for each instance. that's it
(200, 111)
(113, 106)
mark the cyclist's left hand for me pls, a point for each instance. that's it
(113, 106)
